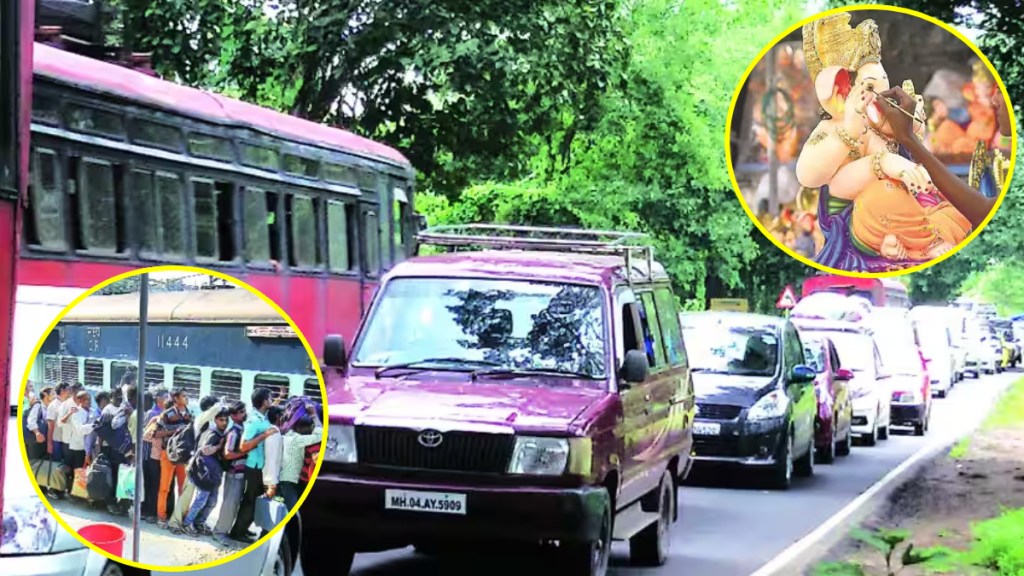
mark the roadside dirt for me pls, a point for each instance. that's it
(939, 504)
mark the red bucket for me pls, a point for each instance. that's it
(109, 537)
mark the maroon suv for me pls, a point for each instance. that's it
(536, 394)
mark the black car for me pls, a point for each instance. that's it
(755, 394)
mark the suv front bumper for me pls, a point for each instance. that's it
(353, 508)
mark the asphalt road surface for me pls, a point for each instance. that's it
(733, 530)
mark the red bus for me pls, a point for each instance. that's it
(880, 291)
(128, 170)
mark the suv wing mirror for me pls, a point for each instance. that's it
(635, 369)
(334, 351)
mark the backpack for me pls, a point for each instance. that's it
(41, 423)
(100, 479)
(205, 471)
(182, 444)
(119, 439)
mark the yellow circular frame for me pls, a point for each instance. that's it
(850, 273)
(247, 549)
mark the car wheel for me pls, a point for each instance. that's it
(322, 556)
(804, 467)
(782, 472)
(590, 558)
(113, 569)
(651, 546)
(883, 432)
(283, 565)
(872, 438)
(843, 448)
(828, 455)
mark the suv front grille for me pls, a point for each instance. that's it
(718, 411)
(458, 451)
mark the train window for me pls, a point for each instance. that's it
(301, 166)
(89, 119)
(339, 216)
(97, 205)
(119, 369)
(214, 217)
(226, 384)
(207, 146)
(46, 198)
(260, 225)
(188, 379)
(158, 204)
(45, 109)
(69, 369)
(156, 375)
(340, 174)
(371, 224)
(156, 134)
(311, 389)
(51, 370)
(92, 374)
(276, 383)
(400, 216)
(303, 227)
(260, 157)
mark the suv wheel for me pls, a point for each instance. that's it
(112, 569)
(782, 472)
(828, 455)
(651, 546)
(322, 556)
(590, 558)
(283, 564)
(883, 432)
(804, 467)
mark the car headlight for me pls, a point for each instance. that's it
(28, 527)
(771, 405)
(341, 444)
(539, 456)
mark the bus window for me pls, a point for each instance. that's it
(214, 233)
(97, 206)
(261, 239)
(207, 146)
(260, 157)
(190, 380)
(159, 204)
(371, 226)
(156, 134)
(92, 374)
(311, 389)
(45, 109)
(46, 201)
(226, 384)
(301, 166)
(339, 236)
(87, 119)
(340, 174)
(400, 216)
(303, 227)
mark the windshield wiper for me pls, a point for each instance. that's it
(506, 371)
(465, 365)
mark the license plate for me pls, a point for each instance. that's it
(414, 501)
(707, 428)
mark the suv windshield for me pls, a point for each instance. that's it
(733, 346)
(513, 324)
(854, 350)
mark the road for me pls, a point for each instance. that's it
(734, 530)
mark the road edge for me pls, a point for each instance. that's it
(799, 556)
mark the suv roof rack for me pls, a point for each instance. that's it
(576, 240)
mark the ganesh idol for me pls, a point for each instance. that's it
(878, 210)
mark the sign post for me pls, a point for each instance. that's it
(787, 299)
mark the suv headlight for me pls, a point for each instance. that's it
(906, 397)
(772, 405)
(341, 444)
(28, 527)
(539, 456)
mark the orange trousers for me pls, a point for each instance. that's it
(168, 471)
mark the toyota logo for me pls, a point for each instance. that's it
(430, 438)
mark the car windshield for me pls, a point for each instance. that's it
(499, 324)
(814, 353)
(738, 346)
(854, 350)
(899, 354)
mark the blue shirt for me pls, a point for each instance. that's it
(256, 424)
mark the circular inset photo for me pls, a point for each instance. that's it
(172, 420)
(870, 142)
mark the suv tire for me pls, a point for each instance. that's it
(843, 448)
(590, 558)
(781, 475)
(324, 557)
(804, 467)
(650, 547)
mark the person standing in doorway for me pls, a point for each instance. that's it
(258, 426)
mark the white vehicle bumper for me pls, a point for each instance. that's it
(865, 412)
(81, 562)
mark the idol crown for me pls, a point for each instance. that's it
(830, 41)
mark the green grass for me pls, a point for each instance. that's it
(999, 544)
(960, 449)
(1009, 413)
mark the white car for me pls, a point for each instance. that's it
(982, 357)
(869, 389)
(40, 547)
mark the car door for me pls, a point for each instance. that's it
(800, 394)
(676, 385)
(840, 390)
